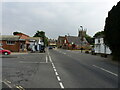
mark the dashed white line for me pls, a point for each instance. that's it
(61, 85)
(56, 73)
(55, 70)
(53, 67)
(58, 77)
(106, 70)
(50, 58)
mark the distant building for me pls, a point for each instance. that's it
(24, 37)
(35, 43)
(100, 46)
(73, 42)
(12, 43)
(60, 42)
(52, 42)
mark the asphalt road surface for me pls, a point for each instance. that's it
(58, 69)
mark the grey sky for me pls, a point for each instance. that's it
(55, 18)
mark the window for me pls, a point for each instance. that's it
(10, 42)
(98, 40)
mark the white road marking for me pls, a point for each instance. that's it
(106, 70)
(46, 59)
(56, 73)
(7, 84)
(61, 85)
(64, 53)
(53, 67)
(55, 70)
(31, 62)
(8, 81)
(50, 58)
(58, 77)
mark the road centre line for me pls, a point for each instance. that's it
(58, 78)
(56, 73)
(106, 70)
(61, 85)
(55, 70)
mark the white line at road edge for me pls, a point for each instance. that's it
(57, 75)
(105, 70)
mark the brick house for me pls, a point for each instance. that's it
(74, 42)
(26, 38)
(12, 43)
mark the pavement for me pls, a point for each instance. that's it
(17, 53)
(59, 68)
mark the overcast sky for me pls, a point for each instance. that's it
(55, 18)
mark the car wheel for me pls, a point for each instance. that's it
(5, 53)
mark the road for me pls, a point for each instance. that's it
(58, 69)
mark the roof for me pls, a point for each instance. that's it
(75, 40)
(9, 37)
(61, 37)
(34, 38)
(20, 34)
(100, 36)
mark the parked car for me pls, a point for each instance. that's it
(4, 52)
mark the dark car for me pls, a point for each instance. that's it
(50, 47)
(42, 49)
(4, 52)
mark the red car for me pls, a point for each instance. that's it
(4, 52)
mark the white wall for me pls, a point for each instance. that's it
(100, 47)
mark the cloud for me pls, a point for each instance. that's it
(55, 18)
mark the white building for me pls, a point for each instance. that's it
(100, 46)
(35, 43)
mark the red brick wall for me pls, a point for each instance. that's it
(13, 48)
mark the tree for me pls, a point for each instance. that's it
(15, 33)
(89, 39)
(100, 33)
(42, 35)
(112, 31)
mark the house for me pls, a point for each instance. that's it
(100, 46)
(24, 37)
(12, 43)
(60, 42)
(74, 42)
(52, 42)
(35, 43)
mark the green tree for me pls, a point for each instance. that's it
(42, 35)
(89, 39)
(112, 31)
